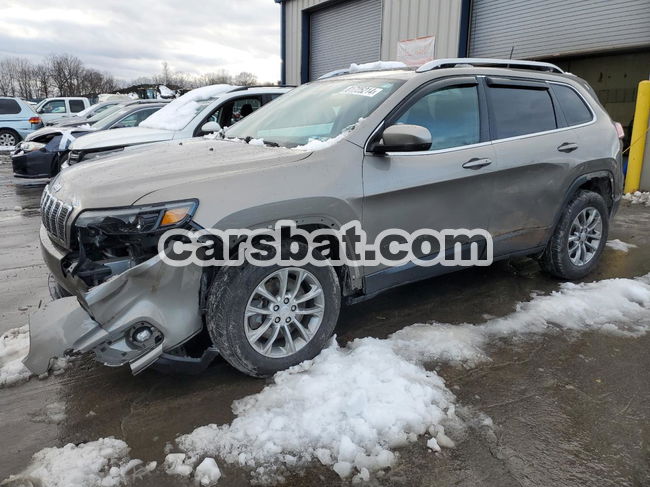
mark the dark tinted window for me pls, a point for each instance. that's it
(9, 107)
(521, 111)
(574, 108)
(450, 114)
(77, 106)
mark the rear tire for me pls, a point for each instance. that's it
(234, 292)
(579, 238)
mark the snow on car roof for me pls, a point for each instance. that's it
(182, 110)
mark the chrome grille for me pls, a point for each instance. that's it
(54, 214)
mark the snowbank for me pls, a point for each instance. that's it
(638, 198)
(617, 244)
(101, 463)
(179, 112)
(376, 66)
(350, 407)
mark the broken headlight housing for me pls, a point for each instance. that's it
(138, 219)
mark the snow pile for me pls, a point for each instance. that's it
(179, 464)
(14, 346)
(617, 244)
(101, 463)
(638, 198)
(350, 407)
(179, 112)
(347, 408)
(376, 66)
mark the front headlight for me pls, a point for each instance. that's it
(31, 146)
(138, 219)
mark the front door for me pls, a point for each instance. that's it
(449, 186)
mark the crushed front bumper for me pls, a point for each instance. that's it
(104, 319)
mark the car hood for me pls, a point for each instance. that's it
(123, 179)
(49, 131)
(106, 139)
(70, 122)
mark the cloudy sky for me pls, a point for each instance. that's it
(131, 38)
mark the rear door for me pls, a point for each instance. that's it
(535, 153)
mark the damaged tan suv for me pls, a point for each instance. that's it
(520, 149)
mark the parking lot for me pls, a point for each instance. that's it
(567, 408)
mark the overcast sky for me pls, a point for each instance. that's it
(131, 38)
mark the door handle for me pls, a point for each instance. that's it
(477, 163)
(568, 147)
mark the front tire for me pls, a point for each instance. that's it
(579, 238)
(266, 319)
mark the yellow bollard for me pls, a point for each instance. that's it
(637, 141)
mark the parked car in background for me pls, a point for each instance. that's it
(41, 154)
(17, 120)
(62, 106)
(198, 112)
(84, 115)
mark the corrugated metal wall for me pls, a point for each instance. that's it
(543, 28)
(345, 34)
(407, 19)
(401, 20)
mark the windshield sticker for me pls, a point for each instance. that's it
(369, 91)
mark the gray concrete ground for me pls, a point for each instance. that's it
(567, 412)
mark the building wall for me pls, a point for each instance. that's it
(401, 20)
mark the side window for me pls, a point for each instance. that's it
(521, 111)
(9, 107)
(76, 106)
(54, 106)
(142, 115)
(133, 119)
(243, 107)
(450, 114)
(575, 110)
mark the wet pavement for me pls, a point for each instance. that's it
(568, 410)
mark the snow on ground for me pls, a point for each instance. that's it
(376, 66)
(53, 413)
(101, 463)
(617, 244)
(638, 198)
(6, 148)
(14, 346)
(350, 407)
(179, 112)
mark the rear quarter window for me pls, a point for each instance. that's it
(573, 106)
(9, 107)
(520, 111)
(76, 106)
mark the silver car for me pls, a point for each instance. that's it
(518, 148)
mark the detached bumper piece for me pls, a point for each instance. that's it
(133, 318)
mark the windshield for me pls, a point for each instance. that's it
(181, 111)
(114, 116)
(104, 113)
(315, 112)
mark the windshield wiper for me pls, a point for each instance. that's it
(269, 143)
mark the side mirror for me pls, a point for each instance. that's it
(403, 138)
(210, 127)
(40, 110)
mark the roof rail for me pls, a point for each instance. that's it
(488, 62)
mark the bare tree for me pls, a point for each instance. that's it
(42, 80)
(66, 72)
(245, 79)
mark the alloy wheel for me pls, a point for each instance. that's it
(284, 312)
(7, 139)
(585, 235)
